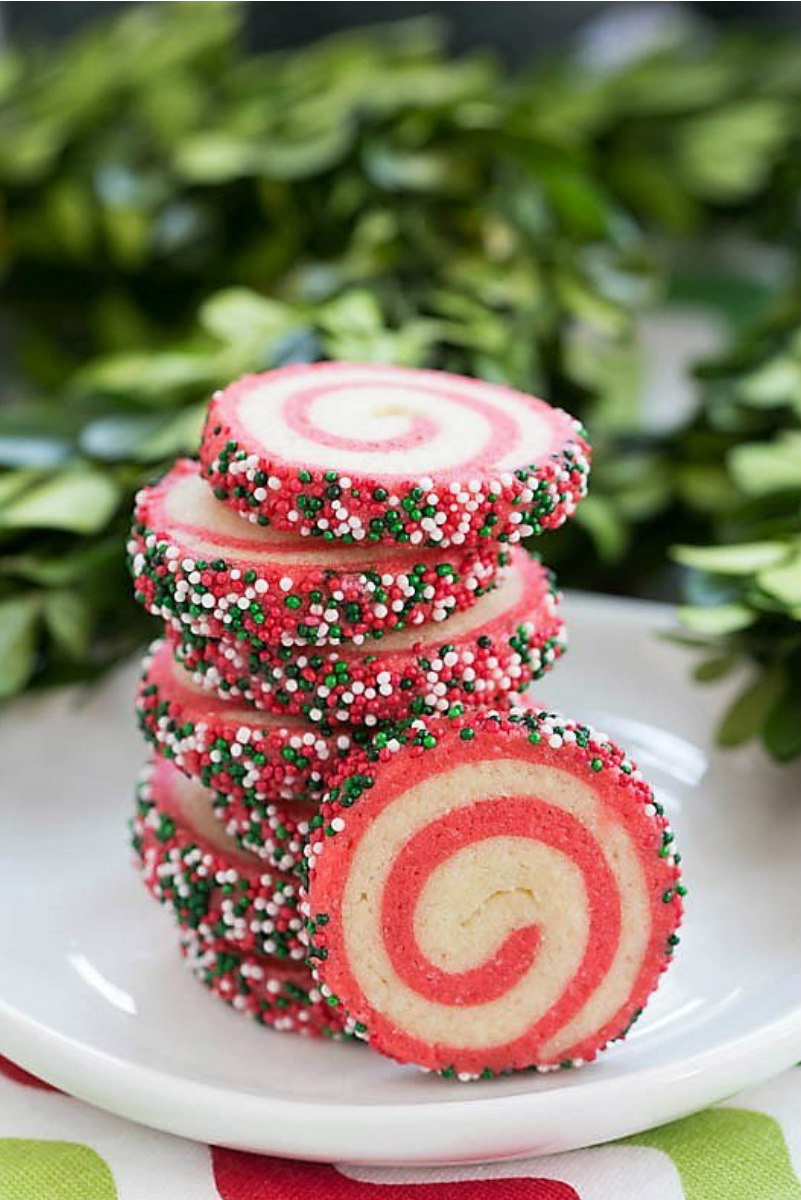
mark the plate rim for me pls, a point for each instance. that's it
(711, 1075)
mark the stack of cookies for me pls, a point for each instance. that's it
(343, 591)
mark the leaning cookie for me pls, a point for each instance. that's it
(511, 636)
(197, 871)
(491, 893)
(280, 995)
(354, 452)
(246, 755)
(196, 562)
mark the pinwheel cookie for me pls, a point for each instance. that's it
(192, 866)
(195, 562)
(359, 452)
(511, 636)
(491, 893)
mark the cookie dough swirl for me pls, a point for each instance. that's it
(494, 905)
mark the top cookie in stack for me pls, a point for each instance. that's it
(371, 453)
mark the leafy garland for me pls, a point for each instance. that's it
(174, 212)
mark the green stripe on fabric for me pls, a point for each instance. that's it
(39, 1170)
(726, 1154)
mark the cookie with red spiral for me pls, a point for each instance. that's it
(195, 562)
(353, 452)
(491, 893)
(510, 637)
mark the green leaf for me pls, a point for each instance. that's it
(353, 329)
(749, 712)
(148, 377)
(214, 158)
(355, 312)
(19, 619)
(726, 154)
(179, 434)
(743, 559)
(776, 383)
(717, 621)
(706, 488)
(712, 669)
(763, 468)
(237, 314)
(604, 525)
(77, 499)
(606, 316)
(13, 483)
(68, 617)
(781, 732)
(783, 582)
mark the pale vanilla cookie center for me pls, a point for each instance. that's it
(495, 886)
(361, 419)
(194, 808)
(487, 890)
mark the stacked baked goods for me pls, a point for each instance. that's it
(360, 821)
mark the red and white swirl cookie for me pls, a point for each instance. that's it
(491, 893)
(281, 995)
(353, 452)
(196, 562)
(511, 636)
(197, 871)
(246, 755)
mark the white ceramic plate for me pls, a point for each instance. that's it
(94, 999)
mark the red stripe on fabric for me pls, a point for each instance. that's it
(241, 1176)
(19, 1075)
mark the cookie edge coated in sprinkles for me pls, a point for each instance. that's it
(258, 987)
(245, 765)
(247, 905)
(306, 603)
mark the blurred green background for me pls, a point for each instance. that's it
(176, 209)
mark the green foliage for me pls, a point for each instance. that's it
(748, 584)
(174, 212)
